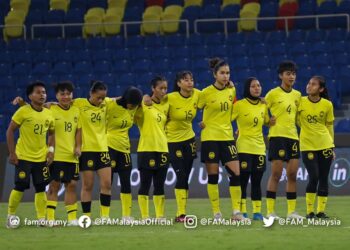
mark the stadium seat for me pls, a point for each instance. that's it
(13, 25)
(122, 54)
(120, 67)
(172, 12)
(21, 69)
(117, 4)
(150, 24)
(114, 42)
(211, 11)
(343, 126)
(96, 4)
(190, 13)
(177, 40)
(95, 43)
(230, 2)
(82, 68)
(75, 44)
(142, 65)
(102, 67)
(305, 8)
(5, 57)
(154, 3)
(93, 22)
(154, 41)
(59, 5)
(61, 69)
(250, 10)
(134, 41)
(78, 4)
(327, 7)
(74, 16)
(161, 53)
(115, 16)
(193, 3)
(268, 9)
(287, 9)
(22, 5)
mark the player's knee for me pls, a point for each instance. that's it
(39, 188)
(87, 186)
(276, 176)
(105, 185)
(20, 187)
(213, 179)
(182, 180)
(292, 176)
(234, 177)
(71, 186)
(53, 187)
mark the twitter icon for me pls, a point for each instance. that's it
(268, 221)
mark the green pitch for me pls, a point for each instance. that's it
(176, 236)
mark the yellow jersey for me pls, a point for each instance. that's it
(313, 118)
(66, 124)
(182, 111)
(93, 123)
(217, 105)
(250, 118)
(33, 127)
(283, 105)
(151, 122)
(119, 121)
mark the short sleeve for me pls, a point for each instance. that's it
(235, 111)
(18, 116)
(330, 114)
(201, 100)
(267, 117)
(268, 99)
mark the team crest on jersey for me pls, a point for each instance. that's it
(178, 153)
(211, 155)
(22, 175)
(152, 163)
(61, 174)
(310, 156)
(281, 153)
(296, 103)
(321, 114)
(113, 164)
(244, 165)
(230, 98)
(90, 163)
(195, 105)
(47, 123)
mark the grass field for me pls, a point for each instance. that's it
(176, 236)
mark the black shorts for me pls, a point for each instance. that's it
(94, 161)
(182, 150)
(252, 163)
(120, 161)
(38, 170)
(152, 160)
(64, 171)
(319, 157)
(216, 151)
(282, 148)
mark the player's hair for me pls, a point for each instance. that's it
(216, 63)
(131, 95)
(322, 82)
(287, 66)
(156, 80)
(64, 85)
(96, 85)
(179, 76)
(246, 91)
(31, 86)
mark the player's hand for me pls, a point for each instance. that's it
(49, 158)
(77, 152)
(237, 132)
(230, 85)
(201, 125)
(334, 156)
(147, 100)
(272, 121)
(13, 159)
(262, 99)
(17, 101)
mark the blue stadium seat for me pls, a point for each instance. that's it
(43, 56)
(305, 8)
(75, 44)
(39, 5)
(214, 39)
(343, 7)
(5, 69)
(62, 68)
(115, 42)
(343, 126)
(134, 42)
(296, 36)
(253, 37)
(199, 52)
(235, 38)
(83, 67)
(21, 69)
(181, 64)
(36, 44)
(95, 43)
(317, 48)
(211, 11)
(176, 40)
(102, 67)
(260, 62)
(340, 59)
(78, 4)
(337, 35)
(180, 52)
(315, 36)
(161, 65)
(55, 44)
(327, 7)
(337, 47)
(268, 9)
(238, 50)
(298, 49)
(200, 65)
(241, 63)
(153, 41)
(122, 54)
(302, 60)
(101, 55)
(161, 53)
(191, 13)
(231, 11)
(275, 36)
(16, 45)
(94, 3)
(258, 49)
(323, 59)
(218, 51)
(326, 71)
(41, 69)
(127, 79)
(5, 57)
(65, 56)
(277, 49)
(82, 55)
(54, 17)
(142, 66)
(140, 53)
(74, 16)
(121, 66)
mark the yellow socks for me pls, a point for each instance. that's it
(126, 200)
(321, 203)
(256, 206)
(181, 201)
(213, 193)
(244, 205)
(159, 204)
(270, 204)
(143, 201)
(235, 192)
(72, 211)
(50, 210)
(310, 201)
(14, 200)
(291, 201)
(40, 205)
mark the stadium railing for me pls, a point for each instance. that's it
(124, 24)
(15, 26)
(285, 18)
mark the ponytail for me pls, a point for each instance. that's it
(322, 82)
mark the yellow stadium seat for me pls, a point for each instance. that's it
(93, 22)
(229, 2)
(20, 5)
(113, 15)
(172, 12)
(173, 9)
(150, 28)
(13, 18)
(117, 3)
(193, 3)
(281, 2)
(155, 9)
(59, 5)
(320, 1)
(249, 10)
(254, 7)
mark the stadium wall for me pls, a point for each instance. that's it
(339, 176)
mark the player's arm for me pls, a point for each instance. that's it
(10, 138)
(78, 142)
(51, 145)
(18, 101)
